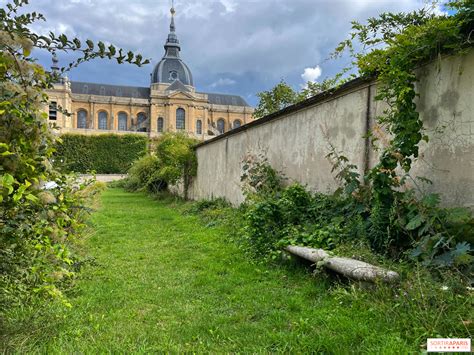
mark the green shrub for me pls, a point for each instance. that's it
(104, 154)
(174, 162)
(144, 174)
(206, 205)
(39, 224)
(418, 228)
(178, 162)
(213, 212)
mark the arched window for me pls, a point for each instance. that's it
(81, 119)
(221, 125)
(122, 121)
(237, 124)
(141, 122)
(180, 119)
(160, 124)
(198, 127)
(103, 120)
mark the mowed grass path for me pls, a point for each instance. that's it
(166, 282)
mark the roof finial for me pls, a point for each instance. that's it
(172, 10)
(54, 67)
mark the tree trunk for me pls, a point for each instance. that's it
(354, 269)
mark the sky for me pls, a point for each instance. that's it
(231, 46)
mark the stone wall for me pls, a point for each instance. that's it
(295, 140)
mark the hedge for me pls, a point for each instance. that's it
(104, 154)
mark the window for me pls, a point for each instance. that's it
(122, 121)
(199, 127)
(82, 119)
(237, 124)
(103, 120)
(173, 75)
(85, 89)
(102, 91)
(141, 122)
(221, 125)
(53, 110)
(160, 124)
(180, 119)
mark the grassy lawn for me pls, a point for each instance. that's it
(166, 282)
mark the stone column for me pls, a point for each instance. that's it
(192, 119)
(92, 113)
(113, 124)
(130, 116)
(205, 125)
(153, 118)
(169, 119)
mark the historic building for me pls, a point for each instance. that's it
(171, 103)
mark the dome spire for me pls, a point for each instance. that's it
(55, 67)
(172, 10)
(172, 46)
(171, 68)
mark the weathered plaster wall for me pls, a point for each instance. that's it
(446, 107)
(297, 143)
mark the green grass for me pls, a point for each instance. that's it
(166, 282)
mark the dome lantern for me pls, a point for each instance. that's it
(171, 67)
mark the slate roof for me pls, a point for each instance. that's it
(78, 87)
(177, 85)
(171, 67)
(225, 99)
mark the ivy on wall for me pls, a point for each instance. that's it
(393, 46)
(104, 154)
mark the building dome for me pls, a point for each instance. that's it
(171, 67)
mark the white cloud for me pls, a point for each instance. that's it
(229, 5)
(311, 74)
(222, 82)
(256, 43)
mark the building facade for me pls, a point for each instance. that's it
(170, 104)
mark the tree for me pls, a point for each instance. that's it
(37, 225)
(281, 96)
(177, 159)
(313, 88)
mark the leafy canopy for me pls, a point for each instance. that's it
(281, 96)
(38, 227)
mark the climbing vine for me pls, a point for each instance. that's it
(379, 207)
(393, 47)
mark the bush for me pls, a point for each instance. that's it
(174, 163)
(178, 162)
(418, 228)
(104, 154)
(144, 174)
(38, 225)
